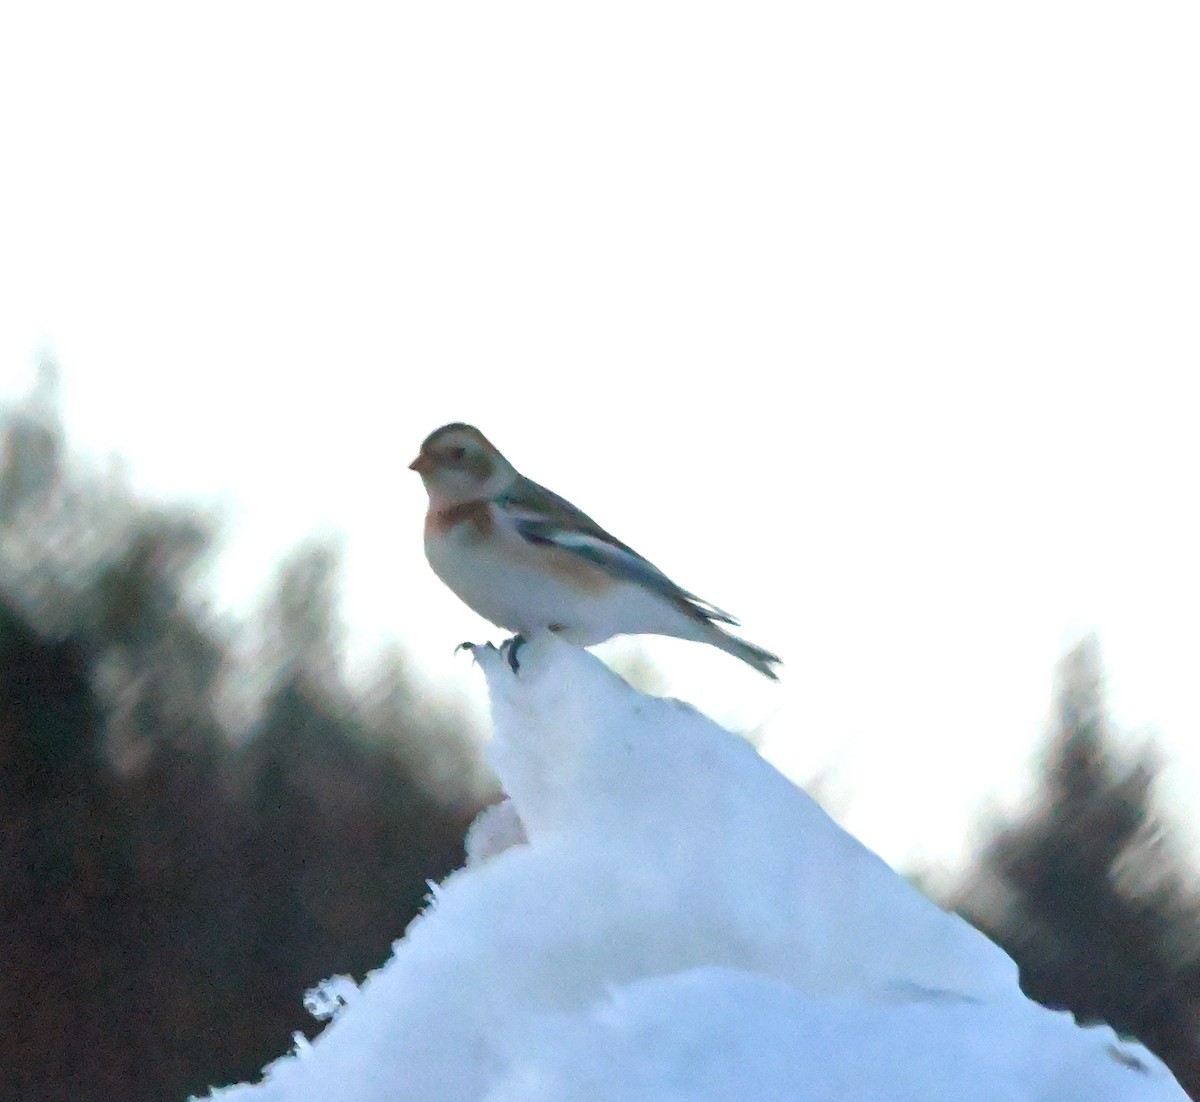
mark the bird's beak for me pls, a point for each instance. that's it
(422, 464)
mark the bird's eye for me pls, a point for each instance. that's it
(457, 455)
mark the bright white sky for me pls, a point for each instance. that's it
(875, 323)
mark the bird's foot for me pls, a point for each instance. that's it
(509, 649)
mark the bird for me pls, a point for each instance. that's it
(528, 560)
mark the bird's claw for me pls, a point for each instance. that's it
(509, 649)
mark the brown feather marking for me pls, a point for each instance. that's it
(578, 571)
(478, 514)
(481, 466)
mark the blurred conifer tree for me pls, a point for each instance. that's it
(1087, 891)
(173, 875)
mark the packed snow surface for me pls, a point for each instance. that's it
(657, 914)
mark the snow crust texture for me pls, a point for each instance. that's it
(658, 914)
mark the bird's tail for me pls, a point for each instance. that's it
(762, 660)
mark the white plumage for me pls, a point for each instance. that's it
(526, 559)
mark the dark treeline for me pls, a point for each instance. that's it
(1088, 890)
(193, 830)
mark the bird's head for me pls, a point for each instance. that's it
(458, 463)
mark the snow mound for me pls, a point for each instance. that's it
(658, 913)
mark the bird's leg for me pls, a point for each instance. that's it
(465, 646)
(510, 649)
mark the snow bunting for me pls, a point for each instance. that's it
(526, 559)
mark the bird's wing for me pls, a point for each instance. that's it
(541, 516)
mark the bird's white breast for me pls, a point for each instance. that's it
(526, 587)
